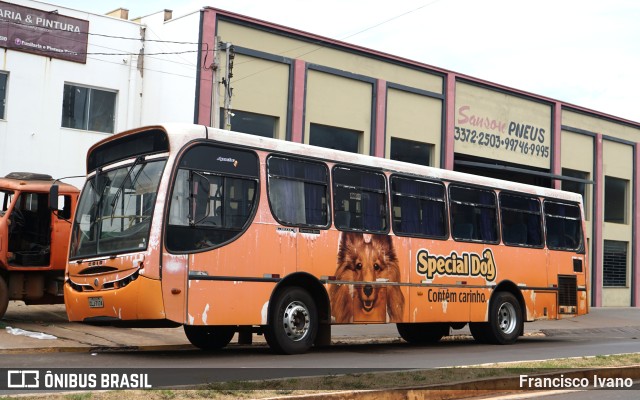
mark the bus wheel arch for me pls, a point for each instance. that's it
(297, 312)
(505, 319)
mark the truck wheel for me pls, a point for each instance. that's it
(422, 333)
(293, 321)
(209, 337)
(4, 297)
(505, 319)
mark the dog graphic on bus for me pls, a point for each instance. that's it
(369, 259)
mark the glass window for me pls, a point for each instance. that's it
(411, 151)
(521, 220)
(247, 122)
(473, 214)
(615, 200)
(614, 266)
(335, 138)
(564, 226)
(359, 200)
(418, 208)
(88, 109)
(115, 210)
(574, 186)
(5, 199)
(298, 192)
(3, 93)
(214, 197)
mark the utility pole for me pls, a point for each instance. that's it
(226, 82)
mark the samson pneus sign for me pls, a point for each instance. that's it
(45, 33)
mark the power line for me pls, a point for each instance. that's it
(320, 47)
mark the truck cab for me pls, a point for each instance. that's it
(34, 239)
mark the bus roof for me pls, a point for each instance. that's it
(180, 134)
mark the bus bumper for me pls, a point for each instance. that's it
(140, 300)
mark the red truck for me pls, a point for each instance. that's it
(34, 239)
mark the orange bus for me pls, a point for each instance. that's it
(34, 239)
(224, 232)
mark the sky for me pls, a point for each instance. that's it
(583, 52)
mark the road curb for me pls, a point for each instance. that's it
(338, 341)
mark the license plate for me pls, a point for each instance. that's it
(96, 302)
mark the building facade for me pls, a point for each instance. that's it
(67, 80)
(222, 69)
(267, 79)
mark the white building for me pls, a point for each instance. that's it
(54, 109)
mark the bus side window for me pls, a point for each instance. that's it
(213, 198)
(564, 226)
(418, 207)
(521, 220)
(473, 214)
(360, 200)
(298, 192)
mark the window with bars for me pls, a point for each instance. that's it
(614, 270)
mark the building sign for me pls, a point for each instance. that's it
(500, 126)
(45, 33)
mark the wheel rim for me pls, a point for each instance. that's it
(296, 321)
(507, 318)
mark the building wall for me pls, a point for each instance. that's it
(383, 97)
(31, 135)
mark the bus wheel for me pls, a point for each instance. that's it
(423, 333)
(4, 296)
(293, 321)
(505, 319)
(209, 337)
(479, 331)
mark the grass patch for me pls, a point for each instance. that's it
(355, 381)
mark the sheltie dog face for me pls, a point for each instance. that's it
(371, 262)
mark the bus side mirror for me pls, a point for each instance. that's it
(53, 198)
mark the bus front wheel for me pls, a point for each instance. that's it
(422, 333)
(209, 337)
(4, 296)
(293, 321)
(505, 320)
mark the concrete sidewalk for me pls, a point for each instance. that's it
(22, 325)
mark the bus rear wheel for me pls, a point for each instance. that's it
(293, 321)
(423, 333)
(4, 296)
(505, 320)
(209, 337)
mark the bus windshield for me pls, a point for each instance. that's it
(115, 209)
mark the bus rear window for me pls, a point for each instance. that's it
(564, 226)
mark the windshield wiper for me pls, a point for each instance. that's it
(137, 161)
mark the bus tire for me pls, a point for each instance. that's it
(479, 331)
(422, 333)
(209, 338)
(293, 321)
(4, 296)
(505, 319)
